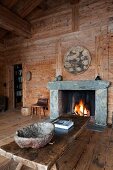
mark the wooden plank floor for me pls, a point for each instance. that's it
(9, 123)
(90, 151)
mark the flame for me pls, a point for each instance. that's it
(81, 110)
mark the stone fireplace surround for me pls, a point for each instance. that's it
(99, 86)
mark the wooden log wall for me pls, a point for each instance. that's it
(54, 33)
(2, 73)
(110, 77)
(1, 57)
(36, 87)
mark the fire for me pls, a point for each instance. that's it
(81, 110)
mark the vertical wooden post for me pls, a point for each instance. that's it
(96, 56)
(98, 50)
(54, 167)
(24, 84)
(19, 166)
(11, 87)
(59, 59)
(75, 17)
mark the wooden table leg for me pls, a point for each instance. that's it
(35, 110)
(44, 111)
(39, 114)
(31, 110)
(54, 167)
(19, 166)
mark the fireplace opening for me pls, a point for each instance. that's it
(82, 108)
(78, 102)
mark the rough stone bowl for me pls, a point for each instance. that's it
(35, 136)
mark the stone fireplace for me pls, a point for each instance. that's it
(58, 90)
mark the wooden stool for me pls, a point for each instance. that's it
(40, 107)
(37, 110)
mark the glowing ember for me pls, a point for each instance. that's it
(81, 110)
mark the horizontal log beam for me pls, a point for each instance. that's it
(2, 46)
(2, 33)
(74, 1)
(8, 3)
(24, 9)
(14, 23)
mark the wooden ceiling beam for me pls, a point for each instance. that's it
(2, 46)
(2, 33)
(22, 9)
(8, 3)
(27, 7)
(74, 1)
(44, 5)
(1, 41)
(14, 23)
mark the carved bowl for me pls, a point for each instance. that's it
(35, 136)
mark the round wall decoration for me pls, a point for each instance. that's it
(28, 76)
(77, 60)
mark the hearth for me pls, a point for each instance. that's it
(78, 102)
(96, 90)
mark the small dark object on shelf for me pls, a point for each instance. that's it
(59, 78)
(98, 78)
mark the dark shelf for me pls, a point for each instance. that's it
(18, 83)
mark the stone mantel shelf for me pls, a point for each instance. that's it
(78, 85)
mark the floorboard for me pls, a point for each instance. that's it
(10, 122)
(90, 151)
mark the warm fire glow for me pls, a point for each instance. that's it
(81, 110)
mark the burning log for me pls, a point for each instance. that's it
(81, 109)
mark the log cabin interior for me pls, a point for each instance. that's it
(62, 51)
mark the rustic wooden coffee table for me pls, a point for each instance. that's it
(45, 158)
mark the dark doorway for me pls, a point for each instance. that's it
(18, 85)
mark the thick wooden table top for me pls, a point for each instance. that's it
(45, 157)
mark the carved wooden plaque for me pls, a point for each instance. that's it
(77, 60)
